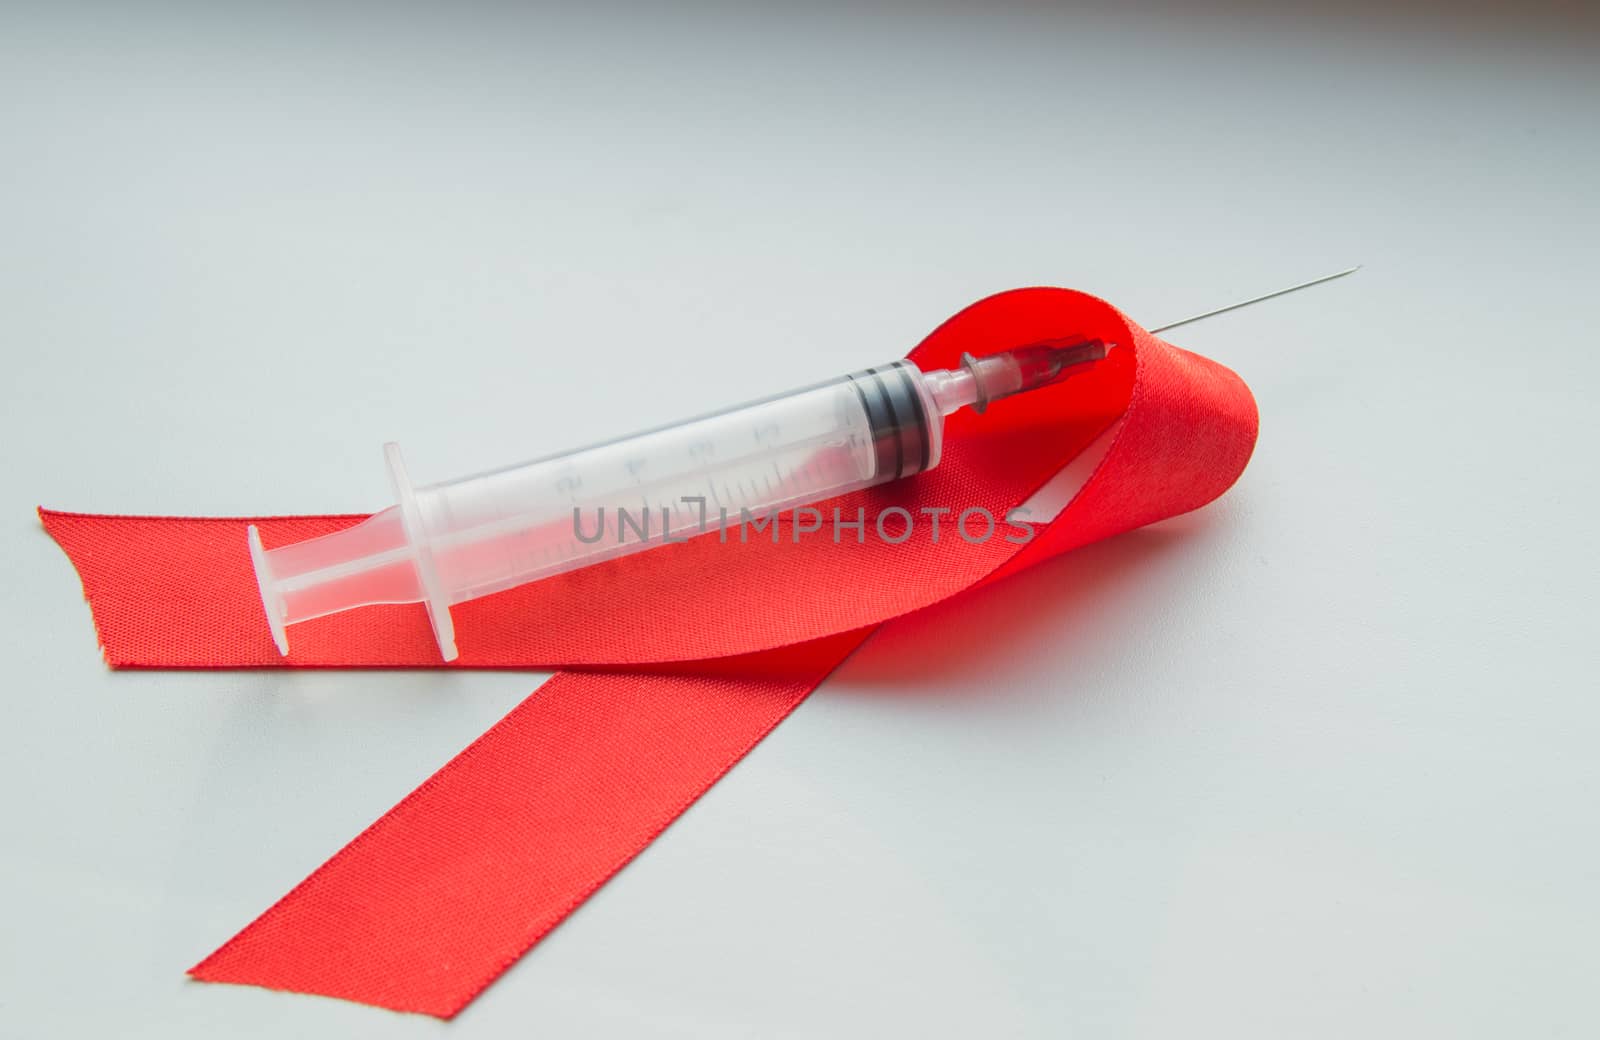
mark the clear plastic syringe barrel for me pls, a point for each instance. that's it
(458, 540)
(507, 527)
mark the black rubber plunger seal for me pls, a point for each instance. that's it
(897, 419)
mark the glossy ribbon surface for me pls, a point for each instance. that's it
(439, 896)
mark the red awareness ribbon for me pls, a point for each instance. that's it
(433, 901)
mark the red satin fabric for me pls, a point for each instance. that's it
(446, 890)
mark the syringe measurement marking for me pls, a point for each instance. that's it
(809, 474)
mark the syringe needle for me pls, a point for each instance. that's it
(1257, 299)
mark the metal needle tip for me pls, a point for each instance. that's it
(1258, 299)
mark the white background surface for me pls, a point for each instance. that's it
(1317, 761)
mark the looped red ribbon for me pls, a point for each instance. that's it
(444, 892)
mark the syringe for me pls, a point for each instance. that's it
(455, 541)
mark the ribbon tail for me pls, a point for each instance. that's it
(446, 890)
